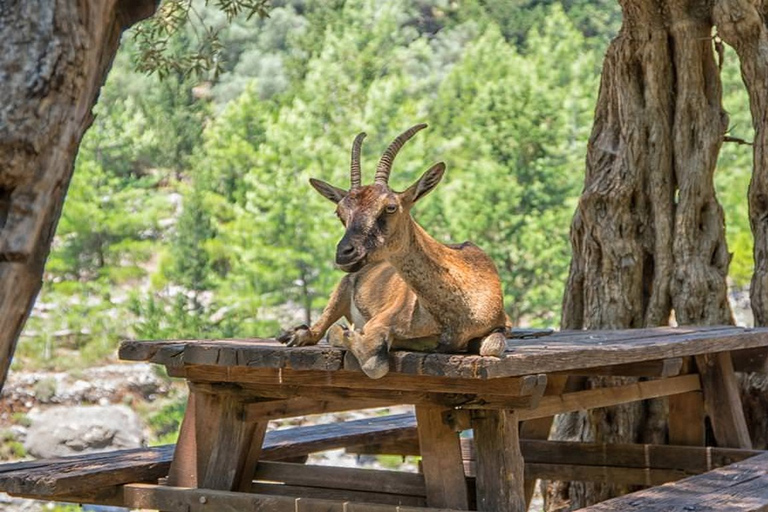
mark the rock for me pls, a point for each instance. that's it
(59, 430)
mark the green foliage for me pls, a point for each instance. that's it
(190, 215)
(10, 447)
(179, 39)
(166, 422)
(734, 172)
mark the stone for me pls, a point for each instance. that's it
(69, 430)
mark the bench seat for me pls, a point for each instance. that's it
(738, 487)
(73, 475)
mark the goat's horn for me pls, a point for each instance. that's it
(354, 169)
(385, 164)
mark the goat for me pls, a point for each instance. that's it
(403, 288)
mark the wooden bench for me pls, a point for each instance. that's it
(739, 487)
(81, 475)
(96, 477)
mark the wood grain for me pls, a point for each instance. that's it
(441, 460)
(604, 397)
(182, 499)
(559, 352)
(739, 487)
(722, 400)
(499, 462)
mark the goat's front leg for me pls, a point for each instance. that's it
(371, 348)
(338, 306)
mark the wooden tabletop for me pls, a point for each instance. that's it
(557, 352)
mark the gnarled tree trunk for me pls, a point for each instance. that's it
(648, 236)
(55, 58)
(742, 24)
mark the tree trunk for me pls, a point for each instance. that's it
(742, 24)
(55, 59)
(648, 236)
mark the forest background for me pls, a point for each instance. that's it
(190, 212)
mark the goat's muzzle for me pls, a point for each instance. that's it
(349, 258)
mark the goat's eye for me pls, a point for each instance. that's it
(391, 208)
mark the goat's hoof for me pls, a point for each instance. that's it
(338, 336)
(375, 367)
(493, 345)
(298, 337)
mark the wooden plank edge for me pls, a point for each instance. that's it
(606, 397)
(185, 499)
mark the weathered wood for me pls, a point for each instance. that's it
(689, 459)
(355, 479)
(560, 352)
(604, 397)
(77, 475)
(742, 487)
(686, 419)
(340, 495)
(441, 460)
(722, 400)
(182, 499)
(499, 462)
(301, 406)
(659, 368)
(280, 444)
(355, 397)
(224, 436)
(511, 386)
(183, 470)
(84, 473)
(539, 428)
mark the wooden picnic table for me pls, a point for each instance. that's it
(237, 386)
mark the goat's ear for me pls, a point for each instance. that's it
(328, 191)
(425, 184)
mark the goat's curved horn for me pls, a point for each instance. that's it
(385, 164)
(354, 169)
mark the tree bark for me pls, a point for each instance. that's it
(742, 24)
(55, 59)
(648, 236)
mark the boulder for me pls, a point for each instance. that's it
(69, 430)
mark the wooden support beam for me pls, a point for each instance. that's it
(441, 460)
(722, 400)
(183, 471)
(606, 397)
(658, 368)
(183, 499)
(539, 428)
(686, 419)
(499, 462)
(348, 484)
(228, 443)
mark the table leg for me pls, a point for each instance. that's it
(499, 461)
(540, 427)
(183, 472)
(441, 460)
(722, 400)
(218, 445)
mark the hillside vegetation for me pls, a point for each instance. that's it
(190, 214)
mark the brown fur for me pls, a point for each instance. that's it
(404, 288)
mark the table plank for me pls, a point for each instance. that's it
(558, 352)
(739, 487)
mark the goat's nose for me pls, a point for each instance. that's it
(345, 252)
